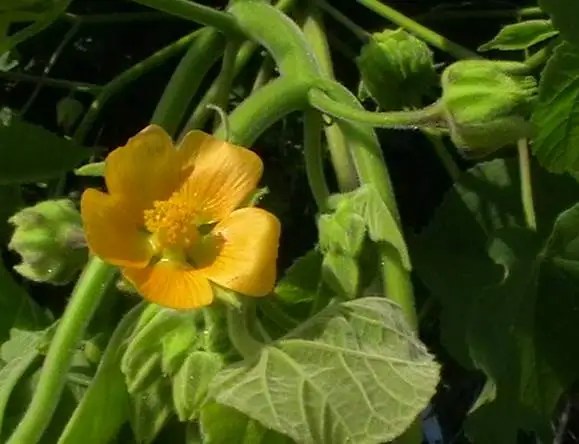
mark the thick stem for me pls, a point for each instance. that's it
(313, 156)
(526, 184)
(337, 144)
(86, 297)
(426, 34)
(238, 329)
(265, 107)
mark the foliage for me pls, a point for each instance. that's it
(425, 276)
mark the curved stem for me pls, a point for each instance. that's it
(195, 12)
(265, 107)
(86, 297)
(426, 117)
(282, 38)
(313, 156)
(315, 34)
(226, 75)
(426, 34)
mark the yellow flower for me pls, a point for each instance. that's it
(171, 219)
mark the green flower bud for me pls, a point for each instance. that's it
(50, 241)
(397, 69)
(486, 104)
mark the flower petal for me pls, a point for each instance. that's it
(223, 175)
(146, 169)
(246, 261)
(112, 229)
(171, 285)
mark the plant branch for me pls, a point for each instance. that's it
(337, 15)
(526, 184)
(313, 157)
(48, 81)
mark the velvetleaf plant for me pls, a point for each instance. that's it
(184, 326)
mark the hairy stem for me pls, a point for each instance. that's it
(313, 155)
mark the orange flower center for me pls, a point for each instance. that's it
(172, 223)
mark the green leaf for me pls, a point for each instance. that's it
(176, 344)
(105, 406)
(520, 36)
(151, 408)
(355, 372)
(17, 309)
(342, 232)
(564, 14)
(91, 169)
(342, 274)
(29, 153)
(301, 281)
(556, 115)
(191, 383)
(224, 425)
(142, 361)
(18, 353)
(502, 295)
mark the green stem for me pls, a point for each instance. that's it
(315, 34)
(441, 15)
(264, 107)
(282, 38)
(426, 117)
(426, 34)
(201, 114)
(85, 298)
(124, 79)
(196, 13)
(264, 73)
(238, 330)
(358, 31)
(526, 184)
(313, 156)
(538, 59)
(372, 169)
(55, 83)
(226, 75)
(186, 79)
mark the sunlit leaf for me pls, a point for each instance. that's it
(522, 35)
(353, 373)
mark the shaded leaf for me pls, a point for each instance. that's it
(301, 281)
(224, 425)
(151, 408)
(564, 14)
(29, 153)
(556, 116)
(522, 35)
(355, 372)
